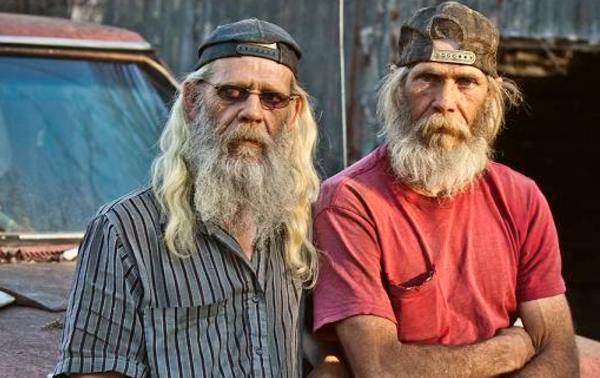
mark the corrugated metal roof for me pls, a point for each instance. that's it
(572, 20)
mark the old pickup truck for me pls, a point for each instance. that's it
(81, 110)
(81, 107)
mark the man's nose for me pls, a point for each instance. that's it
(252, 110)
(445, 98)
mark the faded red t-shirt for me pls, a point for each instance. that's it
(449, 272)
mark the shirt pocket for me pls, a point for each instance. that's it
(421, 310)
(176, 336)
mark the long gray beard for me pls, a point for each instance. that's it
(420, 156)
(231, 189)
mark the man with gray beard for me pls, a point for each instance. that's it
(256, 196)
(201, 275)
(431, 250)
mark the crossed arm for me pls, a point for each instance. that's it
(372, 350)
(548, 322)
(545, 348)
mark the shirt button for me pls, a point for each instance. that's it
(256, 298)
(258, 351)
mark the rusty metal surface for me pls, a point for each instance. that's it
(36, 247)
(41, 285)
(32, 253)
(37, 26)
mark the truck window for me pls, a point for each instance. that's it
(74, 134)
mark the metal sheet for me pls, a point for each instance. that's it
(41, 285)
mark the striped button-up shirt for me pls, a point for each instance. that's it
(137, 309)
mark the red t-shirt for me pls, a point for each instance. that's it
(445, 271)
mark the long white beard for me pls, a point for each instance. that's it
(436, 154)
(236, 188)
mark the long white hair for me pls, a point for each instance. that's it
(173, 184)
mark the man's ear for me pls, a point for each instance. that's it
(190, 99)
(295, 111)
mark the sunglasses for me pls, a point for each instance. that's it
(269, 100)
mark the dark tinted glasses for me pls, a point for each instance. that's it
(269, 100)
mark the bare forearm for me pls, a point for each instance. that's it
(484, 359)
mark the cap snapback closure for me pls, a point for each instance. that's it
(453, 56)
(258, 51)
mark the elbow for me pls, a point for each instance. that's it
(562, 358)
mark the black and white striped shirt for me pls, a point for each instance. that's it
(139, 310)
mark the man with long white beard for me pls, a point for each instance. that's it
(431, 250)
(202, 274)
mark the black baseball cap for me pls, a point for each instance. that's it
(251, 37)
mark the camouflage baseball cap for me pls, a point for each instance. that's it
(475, 34)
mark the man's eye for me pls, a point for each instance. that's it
(273, 98)
(428, 78)
(466, 82)
(230, 92)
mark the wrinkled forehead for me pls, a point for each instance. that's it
(252, 72)
(446, 69)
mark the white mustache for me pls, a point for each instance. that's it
(249, 133)
(439, 123)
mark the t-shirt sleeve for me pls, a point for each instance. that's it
(103, 330)
(539, 273)
(349, 281)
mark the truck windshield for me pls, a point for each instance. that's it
(74, 134)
